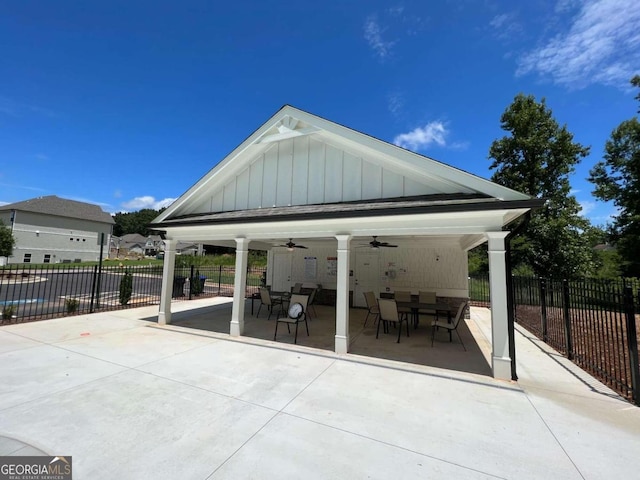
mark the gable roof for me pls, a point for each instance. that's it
(61, 207)
(296, 158)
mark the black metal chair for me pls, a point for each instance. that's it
(270, 302)
(450, 326)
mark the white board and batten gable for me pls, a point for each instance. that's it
(297, 158)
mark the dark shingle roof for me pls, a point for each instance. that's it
(52, 205)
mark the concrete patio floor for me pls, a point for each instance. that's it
(130, 399)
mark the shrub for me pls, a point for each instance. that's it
(197, 284)
(8, 311)
(71, 304)
(126, 287)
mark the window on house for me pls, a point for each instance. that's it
(27, 258)
(47, 258)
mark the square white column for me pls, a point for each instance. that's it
(342, 294)
(236, 327)
(168, 270)
(500, 359)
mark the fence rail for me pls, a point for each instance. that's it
(35, 292)
(593, 322)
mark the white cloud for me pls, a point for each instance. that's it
(422, 137)
(506, 26)
(395, 103)
(600, 46)
(586, 206)
(373, 35)
(147, 201)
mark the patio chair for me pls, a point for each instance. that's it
(297, 288)
(453, 326)
(427, 297)
(295, 314)
(389, 314)
(403, 296)
(271, 303)
(372, 305)
(312, 297)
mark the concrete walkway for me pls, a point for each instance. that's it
(131, 400)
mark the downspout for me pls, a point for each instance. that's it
(510, 299)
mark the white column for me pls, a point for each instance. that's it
(342, 294)
(500, 359)
(168, 267)
(239, 287)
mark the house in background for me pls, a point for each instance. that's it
(56, 230)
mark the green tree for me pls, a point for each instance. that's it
(126, 288)
(7, 242)
(134, 222)
(537, 158)
(617, 178)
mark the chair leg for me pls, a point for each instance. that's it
(276, 332)
(378, 329)
(295, 338)
(306, 325)
(407, 327)
(258, 312)
(461, 342)
(366, 319)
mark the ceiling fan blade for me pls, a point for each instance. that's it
(300, 246)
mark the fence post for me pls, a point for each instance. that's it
(191, 282)
(543, 307)
(93, 287)
(567, 319)
(632, 344)
(219, 278)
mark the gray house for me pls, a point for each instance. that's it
(56, 230)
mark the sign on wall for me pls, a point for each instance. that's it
(310, 268)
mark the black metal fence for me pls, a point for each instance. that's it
(36, 292)
(591, 321)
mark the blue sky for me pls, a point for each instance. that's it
(126, 104)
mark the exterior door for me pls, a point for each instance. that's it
(366, 276)
(281, 280)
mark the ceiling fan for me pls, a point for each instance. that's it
(290, 245)
(377, 244)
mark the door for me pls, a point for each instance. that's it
(366, 276)
(281, 280)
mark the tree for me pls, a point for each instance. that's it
(617, 178)
(537, 158)
(134, 222)
(7, 241)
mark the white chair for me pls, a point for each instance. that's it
(372, 305)
(389, 314)
(295, 314)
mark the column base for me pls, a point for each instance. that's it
(164, 318)
(501, 368)
(235, 329)
(342, 344)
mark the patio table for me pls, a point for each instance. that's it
(416, 306)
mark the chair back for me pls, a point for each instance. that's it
(265, 297)
(312, 296)
(402, 296)
(427, 297)
(388, 310)
(297, 288)
(370, 298)
(461, 309)
(301, 299)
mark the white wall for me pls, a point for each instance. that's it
(440, 269)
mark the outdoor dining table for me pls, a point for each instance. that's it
(416, 306)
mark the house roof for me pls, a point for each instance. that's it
(62, 207)
(299, 159)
